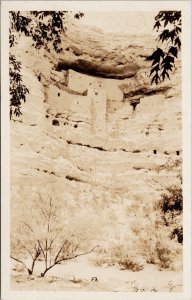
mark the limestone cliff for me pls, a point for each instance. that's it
(93, 128)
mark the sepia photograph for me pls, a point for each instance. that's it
(96, 108)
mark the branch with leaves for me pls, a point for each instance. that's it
(26, 245)
(65, 251)
(17, 89)
(163, 61)
(45, 29)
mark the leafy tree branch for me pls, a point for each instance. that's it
(168, 24)
(45, 28)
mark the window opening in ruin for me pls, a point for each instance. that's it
(134, 106)
(58, 94)
(177, 152)
(155, 151)
(55, 122)
(134, 102)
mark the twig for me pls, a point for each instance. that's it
(21, 262)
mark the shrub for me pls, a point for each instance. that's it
(121, 255)
(171, 207)
(170, 165)
(130, 263)
(172, 201)
(168, 254)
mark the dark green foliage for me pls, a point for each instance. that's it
(163, 61)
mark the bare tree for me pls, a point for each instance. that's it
(48, 236)
(24, 245)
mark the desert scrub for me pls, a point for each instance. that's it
(157, 236)
(156, 247)
(170, 165)
(171, 209)
(120, 255)
(129, 262)
(153, 234)
(168, 254)
(166, 242)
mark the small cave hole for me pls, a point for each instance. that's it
(47, 116)
(166, 153)
(134, 102)
(96, 93)
(154, 151)
(58, 94)
(134, 105)
(136, 151)
(75, 126)
(39, 77)
(85, 93)
(177, 152)
(55, 122)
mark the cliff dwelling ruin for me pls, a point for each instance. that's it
(103, 108)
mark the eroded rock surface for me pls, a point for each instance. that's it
(82, 137)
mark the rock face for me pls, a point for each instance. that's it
(93, 129)
(90, 51)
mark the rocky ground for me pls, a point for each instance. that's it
(82, 275)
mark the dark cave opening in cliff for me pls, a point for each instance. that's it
(87, 68)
